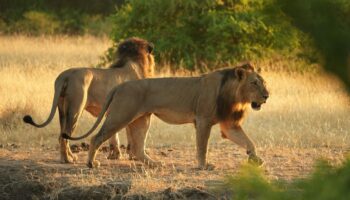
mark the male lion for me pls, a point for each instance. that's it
(218, 97)
(86, 88)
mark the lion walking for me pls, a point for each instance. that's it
(81, 89)
(220, 97)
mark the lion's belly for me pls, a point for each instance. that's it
(174, 117)
(93, 109)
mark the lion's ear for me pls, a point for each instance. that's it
(240, 73)
(150, 47)
(247, 66)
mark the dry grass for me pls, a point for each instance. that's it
(307, 116)
(304, 110)
(28, 68)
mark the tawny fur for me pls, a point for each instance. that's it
(77, 89)
(218, 97)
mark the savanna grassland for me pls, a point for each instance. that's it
(307, 117)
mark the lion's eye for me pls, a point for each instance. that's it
(255, 82)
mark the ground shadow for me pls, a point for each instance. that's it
(29, 179)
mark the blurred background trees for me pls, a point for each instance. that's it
(37, 17)
(327, 22)
(200, 35)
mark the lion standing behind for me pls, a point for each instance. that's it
(77, 89)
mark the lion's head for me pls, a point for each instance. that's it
(137, 50)
(240, 86)
(253, 86)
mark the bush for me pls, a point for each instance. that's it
(41, 17)
(326, 182)
(252, 184)
(194, 33)
(37, 23)
(96, 25)
(2, 26)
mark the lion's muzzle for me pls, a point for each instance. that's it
(257, 105)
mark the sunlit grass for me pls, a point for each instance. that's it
(306, 117)
(305, 110)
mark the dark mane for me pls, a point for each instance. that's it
(226, 97)
(134, 49)
(119, 64)
(224, 102)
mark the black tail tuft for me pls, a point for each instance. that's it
(28, 119)
(65, 136)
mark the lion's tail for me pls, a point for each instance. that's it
(59, 87)
(98, 120)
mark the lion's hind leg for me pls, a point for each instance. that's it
(108, 129)
(74, 104)
(122, 111)
(114, 150)
(117, 119)
(64, 147)
(67, 155)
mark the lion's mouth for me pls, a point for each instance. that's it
(256, 106)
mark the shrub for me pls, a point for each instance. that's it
(194, 33)
(326, 182)
(38, 17)
(37, 23)
(96, 25)
(2, 26)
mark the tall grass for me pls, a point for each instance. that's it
(28, 69)
(305, 110)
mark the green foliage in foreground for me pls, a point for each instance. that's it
(326, 182)
(206, 34)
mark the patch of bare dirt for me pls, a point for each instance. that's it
(38, 174)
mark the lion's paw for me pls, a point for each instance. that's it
(255, 160)
(93, 164)
(68, 159)
(75, 158)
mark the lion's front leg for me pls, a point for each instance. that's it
(236, 134)
(203, 128)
